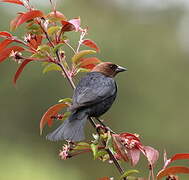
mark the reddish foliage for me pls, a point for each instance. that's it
(88, 66)
(5, 34)
(71, 25)
(76, 22)
(56, 15)
(6, 52)
(67, 26)
(181, 156)
(5, 43)
(86, 61)
(20, 69)
(151, 154)
(35, 41)
(91, 44)
(51, 112)
(13, 1)
(171, 171)
(128, 146)
(13, 23)
(104, 178)
(24, 17)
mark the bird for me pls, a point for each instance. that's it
(92, 97)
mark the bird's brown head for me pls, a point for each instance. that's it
(108, 69)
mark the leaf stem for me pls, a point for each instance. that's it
(81, 40)
(47, 36)
(65, 71)
(70, 47)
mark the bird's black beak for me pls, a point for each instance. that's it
(120, 69)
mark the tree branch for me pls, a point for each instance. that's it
(112, 157)
(69, 78)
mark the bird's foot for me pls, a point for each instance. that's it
(105, 129)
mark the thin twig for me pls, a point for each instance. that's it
(92, 122)
(58, 57)
(65, 72)
(69, 78)
(116, 163)
(47, 36)
(70, 47)
(81, 40)
(109, 129)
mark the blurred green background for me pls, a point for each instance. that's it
(151, 38)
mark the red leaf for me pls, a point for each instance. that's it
(56, 16)
(91, 44)
(134, 154)
(88, 66)
(13, 1)
(87, 61)
(119, 147)
(151, 154)
(67, 26)
(104, 178)
(52, 111)
(20, 69)
(76, 22)
(71, 25)
(172, 170)
(24, 17)
(6, 52)
(129, 135)
(4, 44)
(35, 41)
(181, 156)
(13, 23)
(6, 34)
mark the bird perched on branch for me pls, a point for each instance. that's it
(93, 96)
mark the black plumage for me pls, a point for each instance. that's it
(92, 97)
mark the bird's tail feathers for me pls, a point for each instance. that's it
(72, 129)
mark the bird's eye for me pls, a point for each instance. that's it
(113, 66)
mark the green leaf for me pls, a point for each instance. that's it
(82, 70)
(94, 148)
(39, 55)
(105, 157)
(109, 141)
(64, 38)
(80, 54)
(96, 137)
(128, 173)
(82, 146)
(57, 47)
(45, 63)
(100, 153)
(51, 67)
(52, 30)
(44, 48)
(65, 100)
(66, 115)
(34, 27)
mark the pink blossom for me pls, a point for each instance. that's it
(128, 146)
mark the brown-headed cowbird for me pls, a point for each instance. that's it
(92, 97)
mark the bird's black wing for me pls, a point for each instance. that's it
(93, 88)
